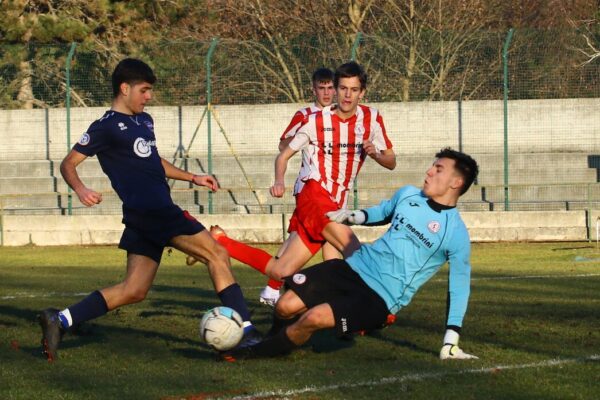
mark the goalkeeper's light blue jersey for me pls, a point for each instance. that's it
(419, 241)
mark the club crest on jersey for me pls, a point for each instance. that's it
(84, 140)
(122, 126)
(142, 147)
(433, 226)
(299, 279)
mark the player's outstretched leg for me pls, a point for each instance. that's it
(216, 232)
(255, 258)
(52, 332)
(251, 256)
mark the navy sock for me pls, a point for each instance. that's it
(232, 297)
(93, 306)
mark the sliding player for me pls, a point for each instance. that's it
(365, 291)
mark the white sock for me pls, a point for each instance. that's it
(67, 317)
(268, 291)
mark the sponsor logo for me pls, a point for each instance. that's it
(299, 279)
(344, 325)
(417, 236)
(329, 146)
(84, 140)
(122, 126)
(413, 204)
(433, 226)
(356, 145)
(142, 147)
(424, 239)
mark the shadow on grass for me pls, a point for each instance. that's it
(202, 352)
(380, 335)
(96, 333)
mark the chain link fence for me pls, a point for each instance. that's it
(220, 107)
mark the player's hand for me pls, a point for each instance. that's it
(348, 217)
(453, 352)
(88, 197)
(278, 189)
(370, 149)
(206, 180)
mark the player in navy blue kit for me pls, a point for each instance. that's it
(365, 291)
(125, 144)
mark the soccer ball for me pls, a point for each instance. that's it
(221, 328)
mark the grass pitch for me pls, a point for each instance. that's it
(533, 319)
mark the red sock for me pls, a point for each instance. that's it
(274, 284)
(256, 258)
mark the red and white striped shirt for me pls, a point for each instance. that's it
(298, 120)
(332, 151)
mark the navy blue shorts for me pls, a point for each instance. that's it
(148, 232)
(355, 305)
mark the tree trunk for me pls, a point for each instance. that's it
(25, 95)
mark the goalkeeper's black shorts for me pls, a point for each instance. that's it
(356, 307)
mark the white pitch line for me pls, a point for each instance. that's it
(410, 378)
(501, 278)
(491, 278)
(35, 296)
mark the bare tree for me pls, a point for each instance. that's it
(589, 33)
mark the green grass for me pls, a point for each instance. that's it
(530, 304)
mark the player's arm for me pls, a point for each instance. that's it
(386, 158)
(172, 172)
(283, 143)
(68, 170)
(379, 146)
(286, 137)
(380, 214)
(281, 161)
(459, 282)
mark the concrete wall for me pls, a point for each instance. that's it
(424, 127)
(271, 228)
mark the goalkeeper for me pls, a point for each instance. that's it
(365, 291)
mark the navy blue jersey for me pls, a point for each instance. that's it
(126, 149)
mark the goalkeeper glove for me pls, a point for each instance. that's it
(343, 216)
(450, 349)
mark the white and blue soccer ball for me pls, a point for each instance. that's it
(221, 328)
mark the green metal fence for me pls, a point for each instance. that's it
(523, 103)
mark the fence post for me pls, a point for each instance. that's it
(211, 49)
(68, 107)
(47, 129)
(1, 222)
(180, 149)
(505, 63)
(460, 130)
(355, 45)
